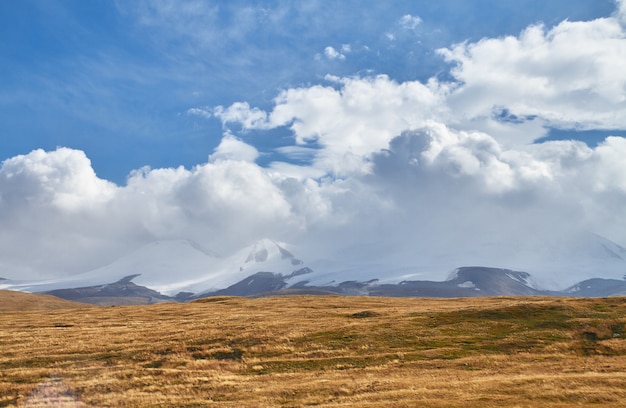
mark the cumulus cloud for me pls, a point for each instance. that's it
(442, 171)
(52, 207)
(570, 76)
(351, 122)
(454, 160)
(463, 198)
(58, 217)
(63, 179)
(231, 148)
(447, 196)
(222, 205)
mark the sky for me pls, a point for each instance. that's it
(343, 128)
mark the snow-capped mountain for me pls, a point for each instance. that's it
(463, 282)
(174, 266)
(555, 264)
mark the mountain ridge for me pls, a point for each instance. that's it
(472, 281)
(180, 270)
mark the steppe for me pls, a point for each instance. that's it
(315, 351)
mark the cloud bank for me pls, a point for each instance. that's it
(433, 174)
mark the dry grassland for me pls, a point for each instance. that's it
(11, 301)
(319, 351)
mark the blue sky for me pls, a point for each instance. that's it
(116, 79)
(487, 132)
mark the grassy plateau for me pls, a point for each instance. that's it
(318, 351)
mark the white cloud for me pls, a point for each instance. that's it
(465, 196)
(610, 159)
(434, 191)
(53, 213)
(333, 54)
(572, 75)
(231, 148)
(453, 160)
(62, 179)
(223, 204)
(478, 156)
(436, 168)
(409, 22)
(241, 113)
(352, 122)
(57, 217)
(203, 112)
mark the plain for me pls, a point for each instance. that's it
(317, 351)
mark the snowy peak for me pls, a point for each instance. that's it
(269, 252)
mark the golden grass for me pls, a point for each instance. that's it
(320, 351)
(18, 301)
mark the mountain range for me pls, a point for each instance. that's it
(179, 270)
